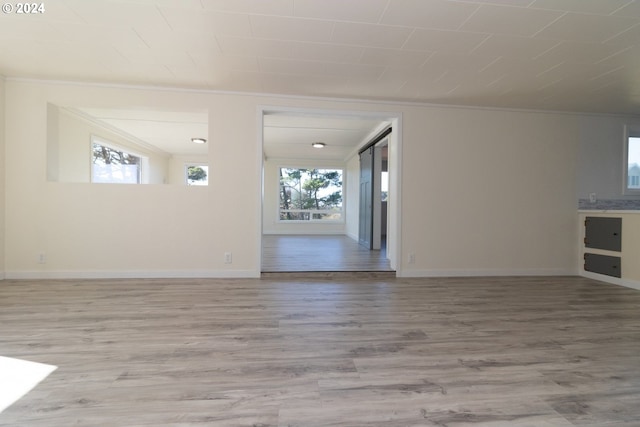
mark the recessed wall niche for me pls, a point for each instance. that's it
(154, 146)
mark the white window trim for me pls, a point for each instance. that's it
(314, 221)
(629, 131)
(144, 160)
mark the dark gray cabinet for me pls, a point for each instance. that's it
(603, 264)
(603, 233)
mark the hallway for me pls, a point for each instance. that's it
(285, 253)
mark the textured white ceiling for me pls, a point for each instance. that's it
(578, 55)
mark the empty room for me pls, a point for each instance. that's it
(320, 213)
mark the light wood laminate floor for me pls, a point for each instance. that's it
(287, 253)
(359, 350)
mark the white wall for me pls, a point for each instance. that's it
(270, 224)
(2, 178)
(489, 192)
(88, 230)
(483, 192)
(600, 156)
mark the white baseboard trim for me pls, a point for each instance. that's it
(487, 272)
(633, 284)
(165, 274)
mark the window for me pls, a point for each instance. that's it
(310, 194)
(632, 162)
(197, 174)
(384, 186)
(114, 165)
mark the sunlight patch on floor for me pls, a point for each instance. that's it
(18, 377)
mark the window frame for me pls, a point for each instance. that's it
(144, 160)
(630, 132)
(342, 170)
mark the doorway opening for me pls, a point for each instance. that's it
(326, 237)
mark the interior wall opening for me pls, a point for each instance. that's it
(326, 237)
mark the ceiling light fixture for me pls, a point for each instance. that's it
(318, 145)
(199, 140)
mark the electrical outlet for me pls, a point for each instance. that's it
(228, 258)
(592, 198)
(42, 258)
(412, 258)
